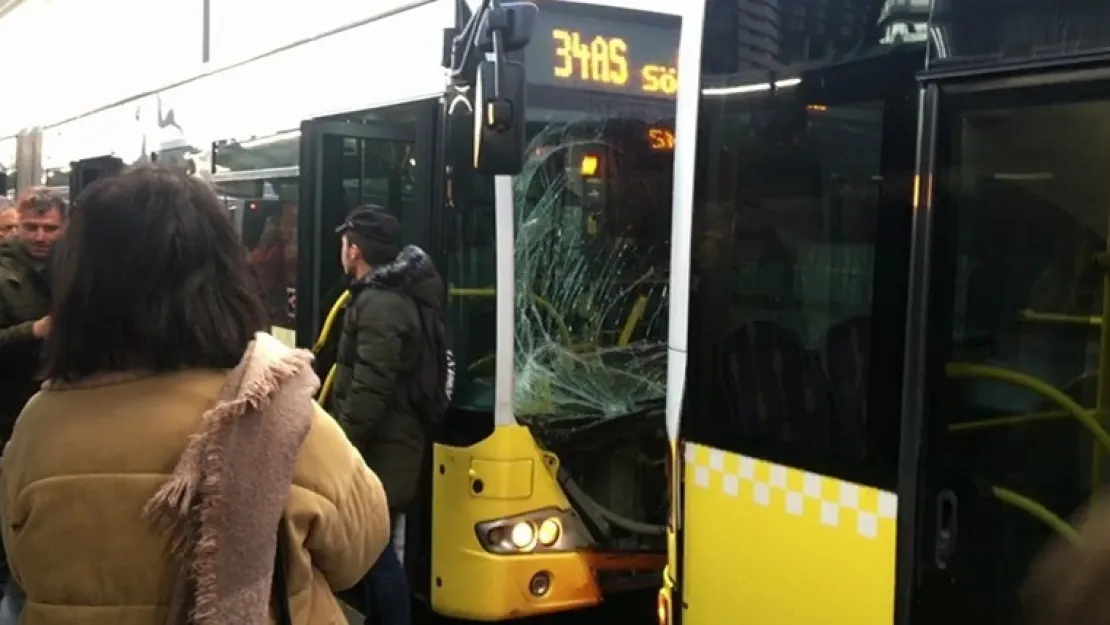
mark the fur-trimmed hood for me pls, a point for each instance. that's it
(412, 273)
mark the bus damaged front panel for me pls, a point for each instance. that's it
(586, 447)
(590, 370)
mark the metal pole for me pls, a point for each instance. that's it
(504, 370)
(206, 31)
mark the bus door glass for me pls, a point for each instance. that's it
(343, 165)
(1017, 381)
(256, 178)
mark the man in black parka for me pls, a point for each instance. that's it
(379, 349)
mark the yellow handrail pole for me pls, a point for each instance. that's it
(564, 330)
(1041, 317)
(1038, 386)
(1019, 419)
(1038, 511)
(325, 390)
(329, 321)
(1046, 390)
(633, 320)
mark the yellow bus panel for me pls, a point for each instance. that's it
(767, 544)
(472, 582)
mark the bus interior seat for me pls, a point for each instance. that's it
(774, 387)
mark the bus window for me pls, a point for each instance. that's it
(269, 232)
(258, 182)
(790, 419)
(785, 298)
(784, 249)
(471, 276)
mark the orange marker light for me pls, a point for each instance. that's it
(589, 165)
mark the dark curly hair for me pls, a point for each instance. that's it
(150, 276)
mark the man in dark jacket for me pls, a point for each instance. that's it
(378, 353)
(25, 300)
(24, 314)
(9, 220)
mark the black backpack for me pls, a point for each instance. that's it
(433, 380)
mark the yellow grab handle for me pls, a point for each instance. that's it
(333, 314)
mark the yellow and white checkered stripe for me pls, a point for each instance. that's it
(835, 503)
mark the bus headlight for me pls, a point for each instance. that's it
(541, 530)
(549, 532)
(523, 535)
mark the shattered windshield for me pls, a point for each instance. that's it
(592, 254)
(591, 259)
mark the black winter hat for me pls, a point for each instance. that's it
(375, 232)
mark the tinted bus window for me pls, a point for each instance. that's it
(801, 225)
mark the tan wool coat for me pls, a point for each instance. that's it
(84, 463)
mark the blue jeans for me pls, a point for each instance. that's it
(11, 606)
(387, 590)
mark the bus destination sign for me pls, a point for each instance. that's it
(604, 54)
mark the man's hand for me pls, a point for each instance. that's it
(41, 328)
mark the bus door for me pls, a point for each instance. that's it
(343, 165)
(1008, 356)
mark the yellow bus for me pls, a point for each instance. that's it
(889, 353)
(559, 500)
(546, 489)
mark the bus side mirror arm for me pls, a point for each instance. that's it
(497, 28)
(499, 85)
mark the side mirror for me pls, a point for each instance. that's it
(498, 84)
(517, 27)
(499, 107)
(459, 131)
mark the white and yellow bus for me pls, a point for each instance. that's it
(889, 352)
(547, 491)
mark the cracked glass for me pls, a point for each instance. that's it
(592, 210)
(592, 254)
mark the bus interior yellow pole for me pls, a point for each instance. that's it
(322, 341)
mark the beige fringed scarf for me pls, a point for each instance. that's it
(226, 496)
